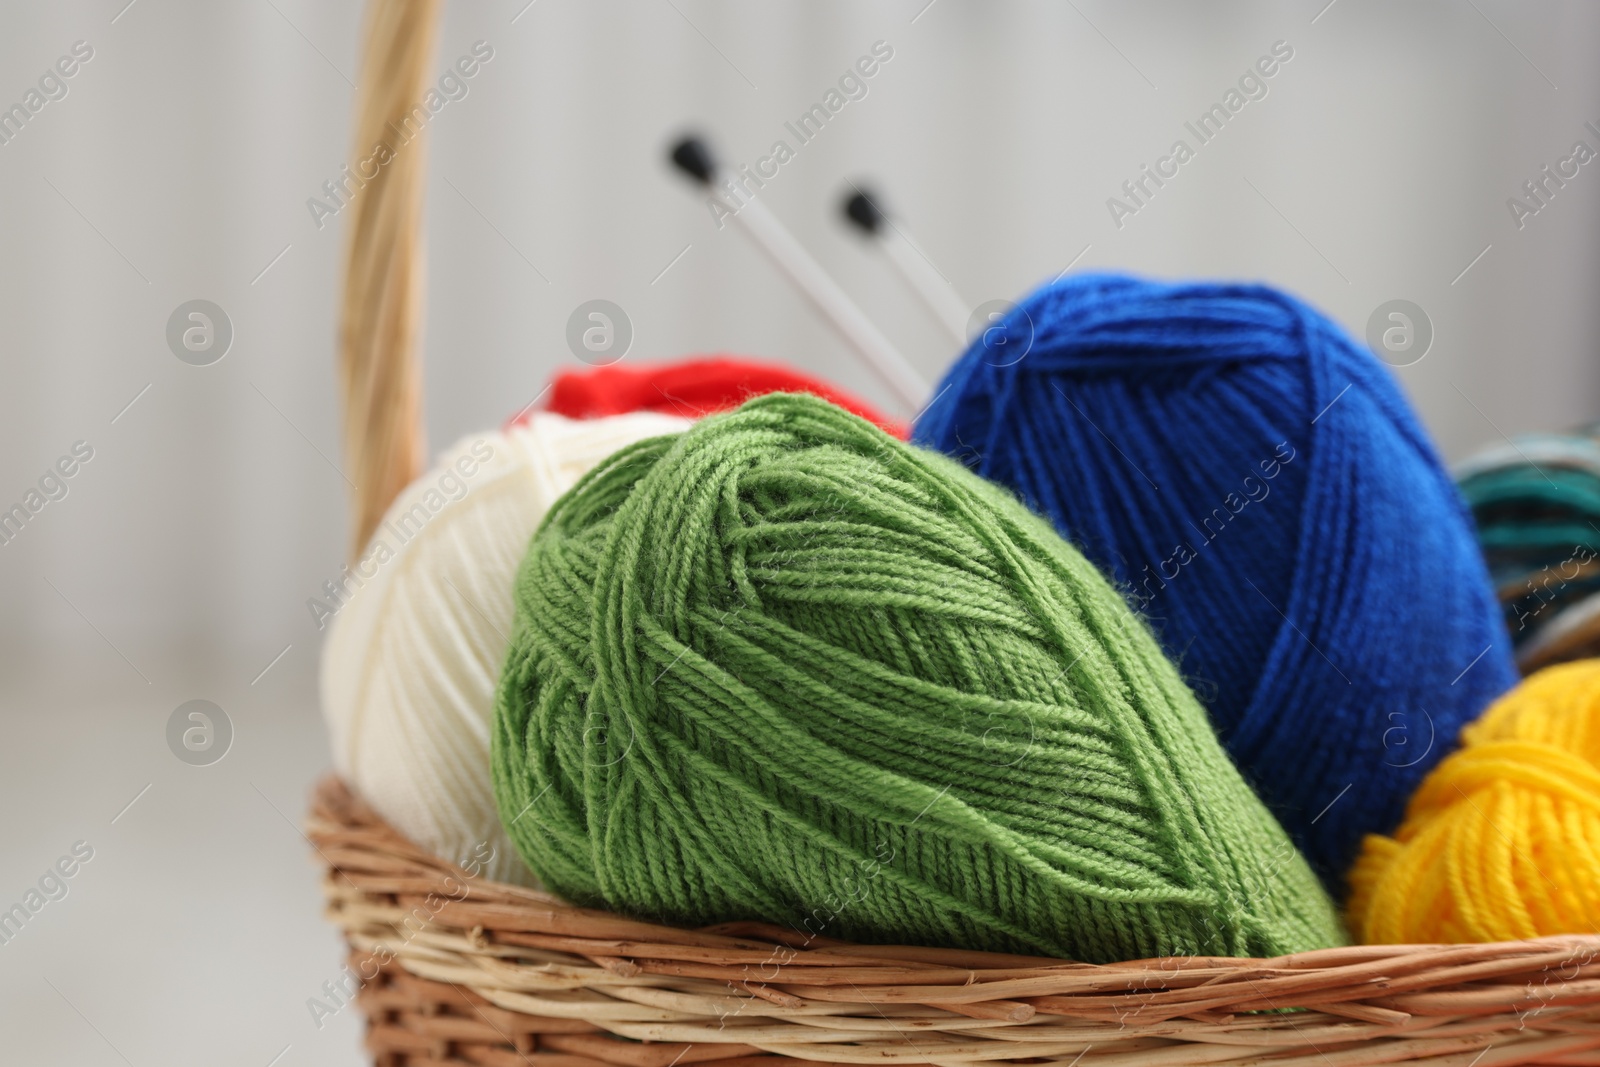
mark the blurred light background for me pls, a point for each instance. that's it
(179, 164)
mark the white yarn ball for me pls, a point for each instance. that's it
(411, 662)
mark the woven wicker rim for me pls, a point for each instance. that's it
(756, 990)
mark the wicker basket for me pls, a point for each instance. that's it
(463, 971)
(455, 970)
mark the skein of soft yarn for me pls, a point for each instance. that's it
(694, 388)
(786, 667)
(419, 629)
(1263, 494)
(1536, 500)
(1502, 842)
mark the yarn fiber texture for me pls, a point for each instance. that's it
(1536, 500)
(1502, 842)
(414, 650)
(786, 667)
(1262, 493)
(693, 388)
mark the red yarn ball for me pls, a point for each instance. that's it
(693, 388)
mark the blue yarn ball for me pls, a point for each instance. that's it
(1265, 497)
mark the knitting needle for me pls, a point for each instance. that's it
(693, 158)
(863, 212)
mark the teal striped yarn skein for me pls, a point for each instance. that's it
(785, 667)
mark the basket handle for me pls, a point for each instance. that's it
(381, 319)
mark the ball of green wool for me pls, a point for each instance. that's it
(786, 667)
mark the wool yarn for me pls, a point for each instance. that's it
(693, 388)
(1502, 841)
(786, 667)
(1536, 501)
(414, 649)
(1264, 496)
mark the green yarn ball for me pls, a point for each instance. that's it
(786, 667)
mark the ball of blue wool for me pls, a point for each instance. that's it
(1264, 495)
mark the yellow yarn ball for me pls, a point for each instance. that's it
(1502, 840)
